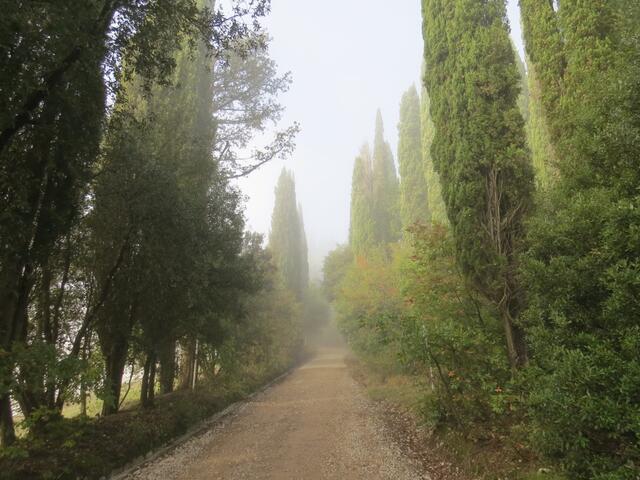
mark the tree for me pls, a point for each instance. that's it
(334, 269)
(287, 241)
(414, 204)
(542, 151)
(385, 189)
(361, 228)
(245, 102)
(58, 62)
(437, 210)
(581, 269)
(479, 148)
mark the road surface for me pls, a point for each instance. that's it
(315, 424)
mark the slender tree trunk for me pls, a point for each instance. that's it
(515, 337)
(167, 366)
(195, 367)
(7, 431)
(86, 353)
(151, 394)
(147, 389)
(114, 369)
(144, 387)
(187, 364)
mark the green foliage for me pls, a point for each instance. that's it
(542, 150)
(437, 209)
(95, 447)
(385, 189)
(375, 196)
(581, 319)
(287, 239)
(267, 338)
(479, 148)
(125, 234)
(335, 267)
(413, 186)
(581, 270)
(451, 337)
(361, 226)
(369, 307)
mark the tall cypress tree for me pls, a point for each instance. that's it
(286, 239)
(414, 206)
(542, 150)
(361, 228)
(304, 250)
(582, 268)
(386, 189)
(437, 209)
(479, 148)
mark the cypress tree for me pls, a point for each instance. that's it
(286, 239)
(386, 189)
(536, 128)
(304, 251)
(361, 228)
(479, 148)
(437, 210)
(414, 205)
(542, 150)
(582, 268)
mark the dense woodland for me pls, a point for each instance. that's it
(496, 266)
(123, 251)
(502, 274)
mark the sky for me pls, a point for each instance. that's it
(347, 58)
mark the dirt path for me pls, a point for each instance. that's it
(316, 424)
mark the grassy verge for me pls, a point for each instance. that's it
(79, 448)
(469, 454)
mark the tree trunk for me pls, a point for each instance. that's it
(151, 393)
(147, 389)
(187, 363)
(86, 353)
(7, 431)
(144, 387)
(516, 345)
(114, 369)
(167, 366)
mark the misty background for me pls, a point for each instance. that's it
(343, 71)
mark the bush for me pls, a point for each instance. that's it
(583, 277)
(452, 337)
(91, 448)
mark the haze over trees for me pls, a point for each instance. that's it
(494, 268)
(287, 239)
(511, 299)
(414, 197)
(375, 195)
(122, 242)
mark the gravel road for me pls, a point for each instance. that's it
(316, 424)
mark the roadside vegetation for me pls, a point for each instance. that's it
(491, 282)
(497, 285)
(133, 302)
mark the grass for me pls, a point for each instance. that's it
(94, 404)
(93, 447)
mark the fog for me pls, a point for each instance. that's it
(348, 58)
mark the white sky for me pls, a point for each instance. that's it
(348, 58)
